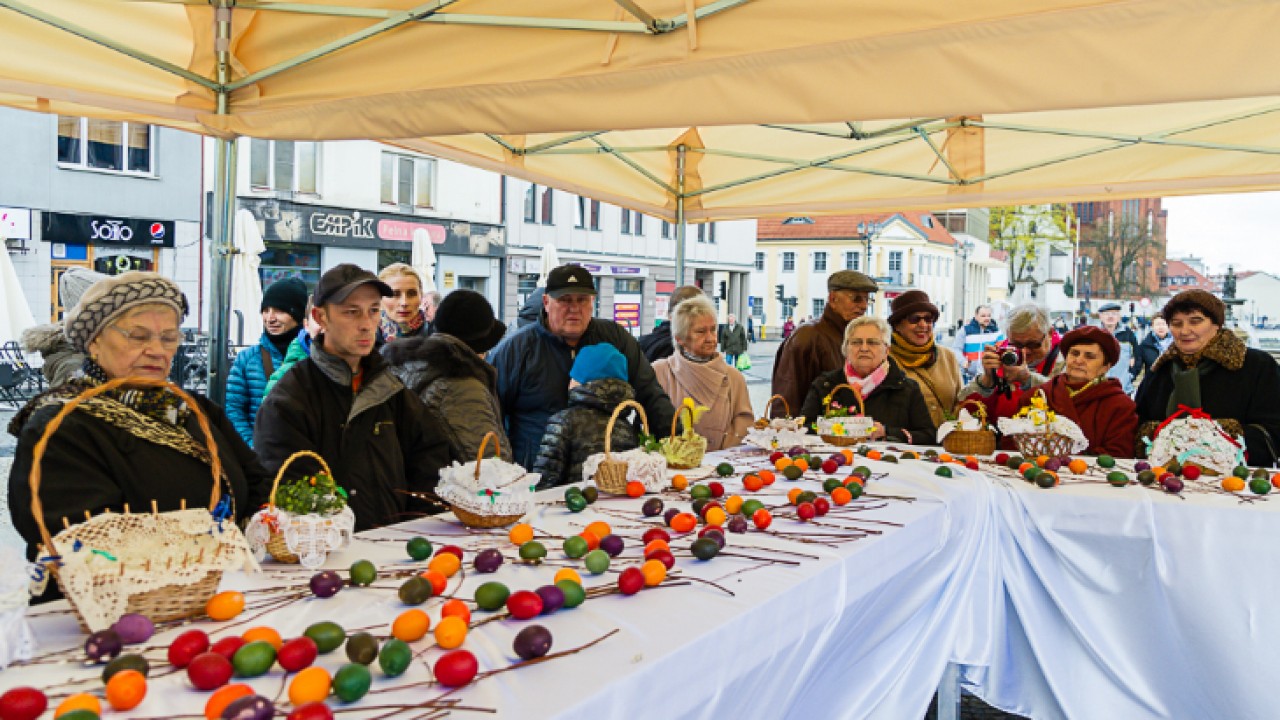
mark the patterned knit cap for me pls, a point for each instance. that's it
(110, 298)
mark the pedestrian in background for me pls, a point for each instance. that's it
(733, 340)
(283, 306)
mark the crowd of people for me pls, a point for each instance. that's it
(390, 383)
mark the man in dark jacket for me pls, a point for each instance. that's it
(657, 344)
(1109, 316)
(533, 364)
(733, 340)
(344, 404)
(814, 348)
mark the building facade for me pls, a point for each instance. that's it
(632, 255)
(105, 195)
(795, 256)
(319, 204)
(1122, 246)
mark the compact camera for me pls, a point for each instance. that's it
(1010, 356)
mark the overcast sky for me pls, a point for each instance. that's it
(1239, 230)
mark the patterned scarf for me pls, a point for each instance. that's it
(866, 385)
(695, 358)
(392, 329)
(910, 355)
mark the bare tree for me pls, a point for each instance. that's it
(1028, 234)
(1118, 247)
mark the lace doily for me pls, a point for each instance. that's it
(16, 640)
(1197, 440)
(503, 488)
(777, 438)
(850, 426)
(311, 537)
(645, 467)
(111, 557)
(965, 421)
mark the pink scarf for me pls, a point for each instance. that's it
(866, 385)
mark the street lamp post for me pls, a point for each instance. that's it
(966, 247)
(868, 230)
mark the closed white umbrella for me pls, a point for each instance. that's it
(550, 261)
(246, 284)
(424, 259)
(15, 316)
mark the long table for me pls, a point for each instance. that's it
(851, 616)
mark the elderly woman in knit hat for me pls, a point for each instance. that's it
(448, 371)
(130, 445)
(936, 370)
(1084, 394)
(283, 306)
(692, 371)
(1208, 368)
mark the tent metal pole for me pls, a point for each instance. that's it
(680, 226)
(224, 183)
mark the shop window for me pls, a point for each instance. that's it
(283, 260)
(284, 166)
(391, 257)
(819, 262)
(526, 283)
(108, 145)
(408, 181)
(628, 286)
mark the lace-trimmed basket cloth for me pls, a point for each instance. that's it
(487, 493)
(612, 472)
(1192, 437)
(770, 433)
(843, 431)
(1037, 431)
(305, 539)
(165, 565)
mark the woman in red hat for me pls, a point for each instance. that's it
(1084, 394)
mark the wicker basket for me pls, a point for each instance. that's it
(675, 419)
(163, 604)
(843, 440)
(611, 476)
(1033, 445)
(276, 544)
(971, 442)
(768, 408)
(476, 520)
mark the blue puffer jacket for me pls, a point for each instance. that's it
(246, 385)
(533, 381)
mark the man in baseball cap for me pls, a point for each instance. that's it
(343, 403)
(814, 348)
(533, 364)
(1122, 368)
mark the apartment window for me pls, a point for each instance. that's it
(819, 262)
(595, 214)
(106, 145)
(548, 205)
(707, 233)
(788, 262)
(757, 306)
(283, 165)
(580, 213)
(531, 204)
(895, 261)
(637, 223)
(538, 205)
(819, 304)
(666, 230)
(760, 261)
(852, 260)
(408, 181)
(626, 221)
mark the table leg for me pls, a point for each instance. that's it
(949, 693)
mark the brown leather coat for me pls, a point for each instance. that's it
(814, 348)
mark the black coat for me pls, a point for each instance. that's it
(1249, 395)
(577, 432)
(378, 441)
(657, 344)
(1148, 353)
(533, 380)
(93, 465)
(897, 404)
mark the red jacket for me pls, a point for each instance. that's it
(1106, 415)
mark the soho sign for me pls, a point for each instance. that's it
(342, 225)
(111, 230)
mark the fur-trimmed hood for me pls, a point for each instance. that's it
(420, 361)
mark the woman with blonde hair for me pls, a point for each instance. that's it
(402, 313)
(696, 370)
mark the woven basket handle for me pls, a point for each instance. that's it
(862, 408)
(982, 410)
(608, 431)
(497, 450)
(768, 406)
(271, 501)
(676, 418)
(37, 454)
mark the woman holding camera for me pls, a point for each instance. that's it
(1030, 357)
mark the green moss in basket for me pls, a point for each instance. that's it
(649, 442)
(312, 495)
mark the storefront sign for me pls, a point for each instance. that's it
(107, 231)
(450, 279)
(627, 314)
(341, 225)
(402, 231)
(616, 270)
(15, 223)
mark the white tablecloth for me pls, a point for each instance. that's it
(1130, 603)
(864, 630)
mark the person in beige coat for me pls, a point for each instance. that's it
(935, 369)
(696, 370)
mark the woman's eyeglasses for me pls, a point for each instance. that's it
(139, 338)
(922, 318)
(869, 342)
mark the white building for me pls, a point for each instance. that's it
(631, 255)
(1260, 292)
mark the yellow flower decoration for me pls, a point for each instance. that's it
(838, 428)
